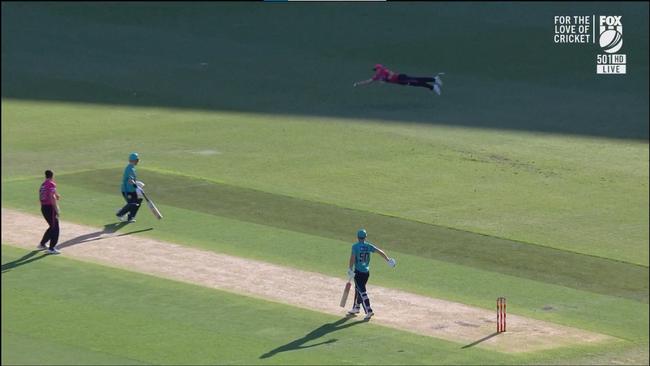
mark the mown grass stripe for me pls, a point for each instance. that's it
(549, 265)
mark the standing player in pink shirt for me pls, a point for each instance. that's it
(387, 76)
(50, 210)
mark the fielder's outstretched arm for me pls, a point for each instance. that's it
(363, 82)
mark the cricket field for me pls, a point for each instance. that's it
(527, 178)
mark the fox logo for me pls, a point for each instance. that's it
(611, 33)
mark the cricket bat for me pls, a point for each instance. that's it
(152, 207)
(346, 292)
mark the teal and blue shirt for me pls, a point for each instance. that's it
(129, 173)
(361, 252)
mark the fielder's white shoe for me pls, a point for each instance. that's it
(437, 79)
(437, 83)
(355, 310)
(41, 247)
(53, 251)
(369, 315)
(436, 88)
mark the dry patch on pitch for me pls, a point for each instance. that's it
(467, 325)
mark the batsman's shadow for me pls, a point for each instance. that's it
(27, 258)
(313, 335)
(97, 235)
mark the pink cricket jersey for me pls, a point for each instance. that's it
(384, 74)
(48, 188)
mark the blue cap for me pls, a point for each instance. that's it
(361, 234)
(134, 156)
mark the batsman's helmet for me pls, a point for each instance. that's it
(134, 156)
(361, 234)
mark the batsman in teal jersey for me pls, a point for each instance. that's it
(360, 261)
(129, 191)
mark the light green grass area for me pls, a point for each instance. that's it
(98, 315)
(119, 317)
(37, 348)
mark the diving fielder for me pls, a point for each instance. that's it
(360, 260)
(385, 75)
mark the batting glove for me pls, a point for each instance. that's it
(391, 262)
(350, 274)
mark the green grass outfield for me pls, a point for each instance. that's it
(499, 183)
(526, 178)
(60, 311)
(111, 316)
(426, 276)
(247, 230)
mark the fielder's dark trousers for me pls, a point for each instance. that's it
(132, 205)
(360, 294)
(52, 232)
(404, 79)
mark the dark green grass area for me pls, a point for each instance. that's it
(61, 311)
(503, 70)
(530, 261)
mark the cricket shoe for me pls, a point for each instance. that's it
(53, 251)
(437, 83)
(131, 220)
(121, 218)
(437, 79)
(41, 247)
(355, 310)
(369, 315)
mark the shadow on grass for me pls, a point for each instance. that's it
(97, 235)
(108, 229)
(313, 335)
(94, 68)
(27, 258)
(480, 340)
